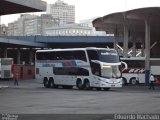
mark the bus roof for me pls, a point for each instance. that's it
(73, 49)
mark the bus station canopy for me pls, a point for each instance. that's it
(21, 6)
(134, 19)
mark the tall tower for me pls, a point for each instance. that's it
(62, 11)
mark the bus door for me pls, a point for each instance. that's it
(96, 71)
(95, 67)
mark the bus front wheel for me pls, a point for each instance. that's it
(51, 83)
(79, 84)
(87, 85)
(133, 81)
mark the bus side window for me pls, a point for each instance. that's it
(95, 68)
(93, 55)
(80, 55)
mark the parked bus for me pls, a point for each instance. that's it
(6, 68)
(136, 69)
(85, 68)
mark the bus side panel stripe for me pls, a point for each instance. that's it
(74, 63)
(64, 64)
(69, 63)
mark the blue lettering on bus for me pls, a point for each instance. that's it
(48, 65)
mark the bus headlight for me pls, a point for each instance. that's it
(106, 66)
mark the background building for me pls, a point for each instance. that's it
(88, 23)
(16, 28)
(69, 30)
(62, 11)
(37, 25)
(28, 25)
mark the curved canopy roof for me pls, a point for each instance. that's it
(21, 6)
(134, 19)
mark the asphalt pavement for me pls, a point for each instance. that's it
(31, 97)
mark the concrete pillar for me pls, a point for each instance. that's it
(142, 48)
(147, 51)
(18, 56)
(30, 56)
(115, 39)
(134, 47)
(125, 42)
(4, 52)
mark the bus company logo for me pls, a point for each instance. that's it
(134, 70)
(48, 65)
(107, 53)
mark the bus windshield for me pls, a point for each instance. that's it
(111, 72)
(109, 56)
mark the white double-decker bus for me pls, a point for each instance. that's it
(85, 68)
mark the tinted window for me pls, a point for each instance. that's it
(45, 55)
(155, 62)
(93, 55)
(135, 63)
(110, 56)
(71, 55)
(71, 71)
(37, 70)
(61, 55)
(6, 62)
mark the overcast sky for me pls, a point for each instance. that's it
(86, 9)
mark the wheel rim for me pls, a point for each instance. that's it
(52, 83)
(79, 84)
(87, 85)
(133, 81)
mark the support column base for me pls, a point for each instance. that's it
(147, 74)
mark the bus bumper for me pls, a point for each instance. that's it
(107, 84)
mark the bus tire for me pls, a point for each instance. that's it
(106, 89)
(133, 81)
(124, 81)
(45, 82)
(87, 84)
(79, 84)
(51, 83)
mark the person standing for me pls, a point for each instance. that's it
(15, 75)
(151, 81)
(16, 79)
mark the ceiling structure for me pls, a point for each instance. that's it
(135, 21)
(21, 6)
